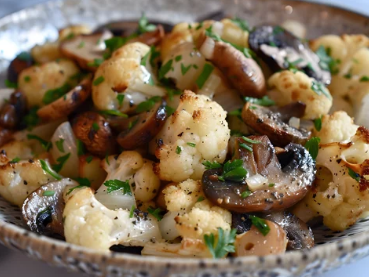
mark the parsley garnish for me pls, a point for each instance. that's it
(237, 112)
(271, 185)
(191, 144)
(80, 148)
(45, 166)
(354, 175)
(54, 94)
(83, 182)
(320, 89)
(178, 58)
(95, 63)
(107, 159)
(326, 61)
(171, 92)
(224, 243)
(251, 140)
(165, 69)
(211, 165)
(144, 26)
(32, 119)
(98, 81)
(114, 185)
(45, 144)
(318, 123)
(364, 79)
(144, 58)
(185, 69)
(199, 26)
(245, 146)
(95, 126)
(178, 150)
(132, 211)
(115, 43)
(81, 45)
(169, 110)
(15, 160)
(243, 24)
(61, 161)
(24, 56)
(260, 224)
(246, 194)
(59, 145)
(233, 171)
(200, 199)
(120, 98)
(265, 101)
(155, 213)
(48, 193)
(207, 70)
(277, 30)
(27, 79)
(10, 84)
(113, 112)
(312, 145)
(89, 159)
(148, 104)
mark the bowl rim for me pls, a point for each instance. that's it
(10, 230)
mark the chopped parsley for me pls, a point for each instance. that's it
(312, 145)
(318, 123)
(145, 58)
(113, 112)
(185, 69)
(243, 24)
(95, 126)
(60, 162)
(120, 98)
(251, 140)
(54, 94)
(27, 79)
(115, 43)
(69, 36)
(271, 185)
(114, 185)
(237, 112)
(32, 119)
(246, 194)
(144, 26)
(277, 30)
(107, 159)
(95, 63)
(157, 213)
(265, 101)
(98, 81)
(224, 243)
(211, 165)
(15, 160)
(59, 145)
(48, 193)
(80, 148)
(260, 224)
(169, 110)
(200, 199)
(320, 89)
(148, 104)
(178, 58)
(81, 45)
(83, 182)
(24, 56)
(171, 92)
(10, 84)
(45, 144)
(199, 26)
(233, 171)
(245, 146)
(165, 69)
(89, 159)
(191, 144)
(178, 150)
(326, 61)
(364, 79)
(354, 175)
(131, 212)
(207, 70)
(45, 166)
(154, 55)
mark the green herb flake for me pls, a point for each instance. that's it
(326, 62)
(145, 58)
(265, 101)
(54, 94)
(211, 165)
(154, 55)
(252, 141)
(271, 185)
(45, 166)
(98, 81)
(95, 126)
(45, 144)
(278, 30)
(24, 56)
(60, 162)
(27, 79)
(364, 79)
(260, 224)
(245, 194)
(89, 159)
(120, 98)
(185, 69)
(83, 182)
(200, 199)
(107, 159)
(169, 110)
(233, 171)
(178, 150)
(10, 84)
(48, 193)
(207, 70)
(243, 24)
(237, 112)
(191, 144)
(148, 104)
(318, 123)
(171, 92)
(199, 26)
(32, 119)
(131, 212)
(178, 58)
(113, 112)
(70, 36)
(15, 160)
(245, 146)
(312, 145)
(165, 69)
(80, 148)
(157, 213)
(320, 89)
(95, 63)
(144, 26)
(223, 245)
(354, 175)
(114, 185)
(59, 145)
(81, 45)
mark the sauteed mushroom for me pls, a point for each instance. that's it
(273, 122)
(139, 130)
(281, 181)
(280, 49)
(126, 28)
(21, 62)
(43, 209)
(243, 73)
(12, 113)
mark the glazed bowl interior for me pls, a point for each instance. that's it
(22, 30)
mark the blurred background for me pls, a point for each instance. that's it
(14, 264)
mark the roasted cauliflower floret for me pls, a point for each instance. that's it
(45, 78)
(288, 86)
(196, 132)
(337, 127)
(89, 223)
(72, 31)
(341, 186)
(124, 74)
(20, 179)
(47, 52)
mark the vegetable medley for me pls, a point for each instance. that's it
(202, 140)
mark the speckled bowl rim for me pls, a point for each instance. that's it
(11, 234)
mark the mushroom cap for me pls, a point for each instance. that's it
(17, 65)
(291, 173)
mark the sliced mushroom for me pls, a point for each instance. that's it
(282, 180)
(244, 74)
(12, 113)
(253, 242)
(151, 38)
(126, 28)
(16, 66)
(280, 49)
(86, 49)
(299, 235)
(272, 122)
(43, 209)
(95, 133)
(67, 104)
(139, 130)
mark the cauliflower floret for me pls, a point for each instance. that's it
(196, 132)
(20, 179)
(131, 167)
(44, 78)
(196, 216)
(123, 73)
(72, 31)
(290, 87)
(17, 149)
(89, 223)
(47, 52)
(337, 127)
(340, 195)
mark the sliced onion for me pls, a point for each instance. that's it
(362, 115)
(44, 131)
(256, 182)
(115, 199)
(294, 122)
(207, 48)
(168, 226)
(68, 147)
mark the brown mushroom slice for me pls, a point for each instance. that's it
(95, 133)
(288, 177)
(12, 113)
(67, 104)
(267, 121)
(16, 66)
(244, 74)
(299, 235)
(86, 49)
(253, 242)
(139, 130)
(151, 38)
(43, 208)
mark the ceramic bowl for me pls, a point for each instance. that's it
(22, 30)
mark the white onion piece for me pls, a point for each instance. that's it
(256, 182)
(148, 89)
(67, 147)
(115, 199)
(5, 94)
(295, 27)
(362, 115)
(168, 226)
(207, 48)
(294, 122)
(44, 131)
